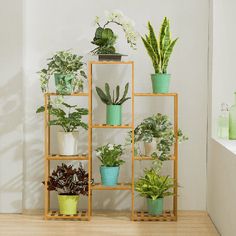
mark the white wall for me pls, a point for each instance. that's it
(11, 106)
(56, 25)
(224, 56)
(221, 161)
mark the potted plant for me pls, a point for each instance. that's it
(69, 120)
(113, 102)
(105, 38)
(157, 134)
(109, 155)
(160, 51)
(154, 188)
(69, 183)
(67, 69)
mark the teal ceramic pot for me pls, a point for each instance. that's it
(113, 116)
(160, 83)
(64, 83)
(109, 175)
(155, 207)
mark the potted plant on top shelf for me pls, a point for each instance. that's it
(105, 38)
(113, 102)
(157, 134)
(154, 187)
(160, 51)
(67, 69)
(69, 120)
(69, 182)
(109, 155)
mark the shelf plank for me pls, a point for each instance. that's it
(124, 126)
(81, 215)
(111, 62)
(72, 94)
(60, 157)
(144, 216)
(155, 94)
(143, 158)
(119, 186)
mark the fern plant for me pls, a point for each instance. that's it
(159, 49)
(113, 99)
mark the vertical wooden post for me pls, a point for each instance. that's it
(175, 198)
(46, 153)
(90, 139)
(132, 97)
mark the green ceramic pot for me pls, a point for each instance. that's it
(113, 116)
(68, 204)
(64, 83)
(155, 207)
(109, 175)
(160, 83)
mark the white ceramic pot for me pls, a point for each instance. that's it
(68, 143)
(149, 148)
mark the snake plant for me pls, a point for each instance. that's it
(159, 49)
(113, 99)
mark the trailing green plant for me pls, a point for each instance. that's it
(63, 63)
(153, 185)
(159, 49)
(110, 154)
(67, 180)
(113, 99)
(69, 120)
(160, 129)
(105, 38)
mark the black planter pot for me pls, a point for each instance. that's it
(110, 57)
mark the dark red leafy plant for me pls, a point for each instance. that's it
(67, 180)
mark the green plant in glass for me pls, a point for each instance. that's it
(158, 128)
(67, 69)
(105, 38)
(160, 49)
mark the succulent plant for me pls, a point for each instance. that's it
(160, 49)
(115, 98)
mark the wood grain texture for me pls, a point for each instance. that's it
(114, 224)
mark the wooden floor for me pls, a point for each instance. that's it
(106, 224)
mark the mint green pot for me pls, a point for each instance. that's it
(160, 83)
(109, 175)
(64, 83)
(155, 207)
(113, 116)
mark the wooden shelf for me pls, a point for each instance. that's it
(125, 126)
(60, 157)
(119, 186)
(111, 62)
(72, 94)
(155, 94)
(144, 216)
(143, 158)
(81, 215)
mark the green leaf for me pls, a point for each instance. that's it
(107, 89)
(102, 96)
(40, 109)
(153, 40)
(117, 93)
(122, 100)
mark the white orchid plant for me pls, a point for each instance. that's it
(110, 154)
(105, 38)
